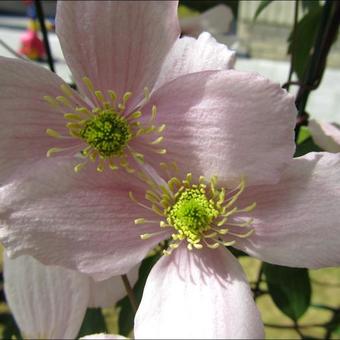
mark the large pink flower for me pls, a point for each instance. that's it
(119, 53)
(217, 195)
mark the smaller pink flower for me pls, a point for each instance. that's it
(119, 54)
(50, 302)
(216, 20)
(201, 289)
(325, 135)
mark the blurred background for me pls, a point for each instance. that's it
(261, 32)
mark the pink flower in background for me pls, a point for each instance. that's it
(325, 135)
(50, 302)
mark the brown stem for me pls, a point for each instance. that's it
(130, 292)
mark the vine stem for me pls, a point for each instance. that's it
(41, 18)
(130, 292)
(292, 57)
(258, 281)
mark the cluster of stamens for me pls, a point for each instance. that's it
(201, 213)
(106, 129)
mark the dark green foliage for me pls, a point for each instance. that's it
(126, 315)
(263, 4)
(94, 322)
(289, 288)
(301, 43)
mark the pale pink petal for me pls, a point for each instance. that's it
(119, 45)
(189, 55)
(227, 123)
(325, 135)
(215, 20)
(108, 292)
(25, 115)
(82, 221)
(47, 302)
(297, 221)
(103, 336)
(198, 294)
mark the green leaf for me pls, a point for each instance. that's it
(289, 288)
(308, 5)
(263, 4)
(126, 315)
(304, 134)
(9, 328)
(306, 146)
(93, 323)
(301, 46)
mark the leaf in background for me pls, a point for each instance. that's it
(304, 134)
(306, 146)
(126, 315)
(9, 328)
(289, 288)
(93, 323)
(305, 34)
(308, 5)
(263, 4)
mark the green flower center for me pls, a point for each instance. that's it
(107, 132)
(192, 213)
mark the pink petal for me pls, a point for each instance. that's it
(107, 293)
(103, 336)
(119, 45)
(47, 302)
(189, 55)
(25, 116)
(81, 221)
(216, 20)
(227, 123)
(198, 294)
(325, 135)
(297, 221)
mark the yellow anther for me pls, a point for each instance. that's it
(112, 165)
(145, 236)
(83, 110)
(138, 156)
(66, 90)
(153, 113)
(112, 95)
(163, 224)
(136, 114)
(53, 133)
(51, 151)
(197, 245)
(100, 166)
(88, 84)
(50, 100)
(243, 235)
(73, 125)
(140, 221)
(161, 151)
(78, 167)
(146, 94)
(99, 96)
(161, 128)
(157, 141)
(63, 100)
(72, 116)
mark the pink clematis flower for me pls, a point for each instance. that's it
(119, 53)
(237, 185)
(326, 135)
(49, 302)
(152, 56)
